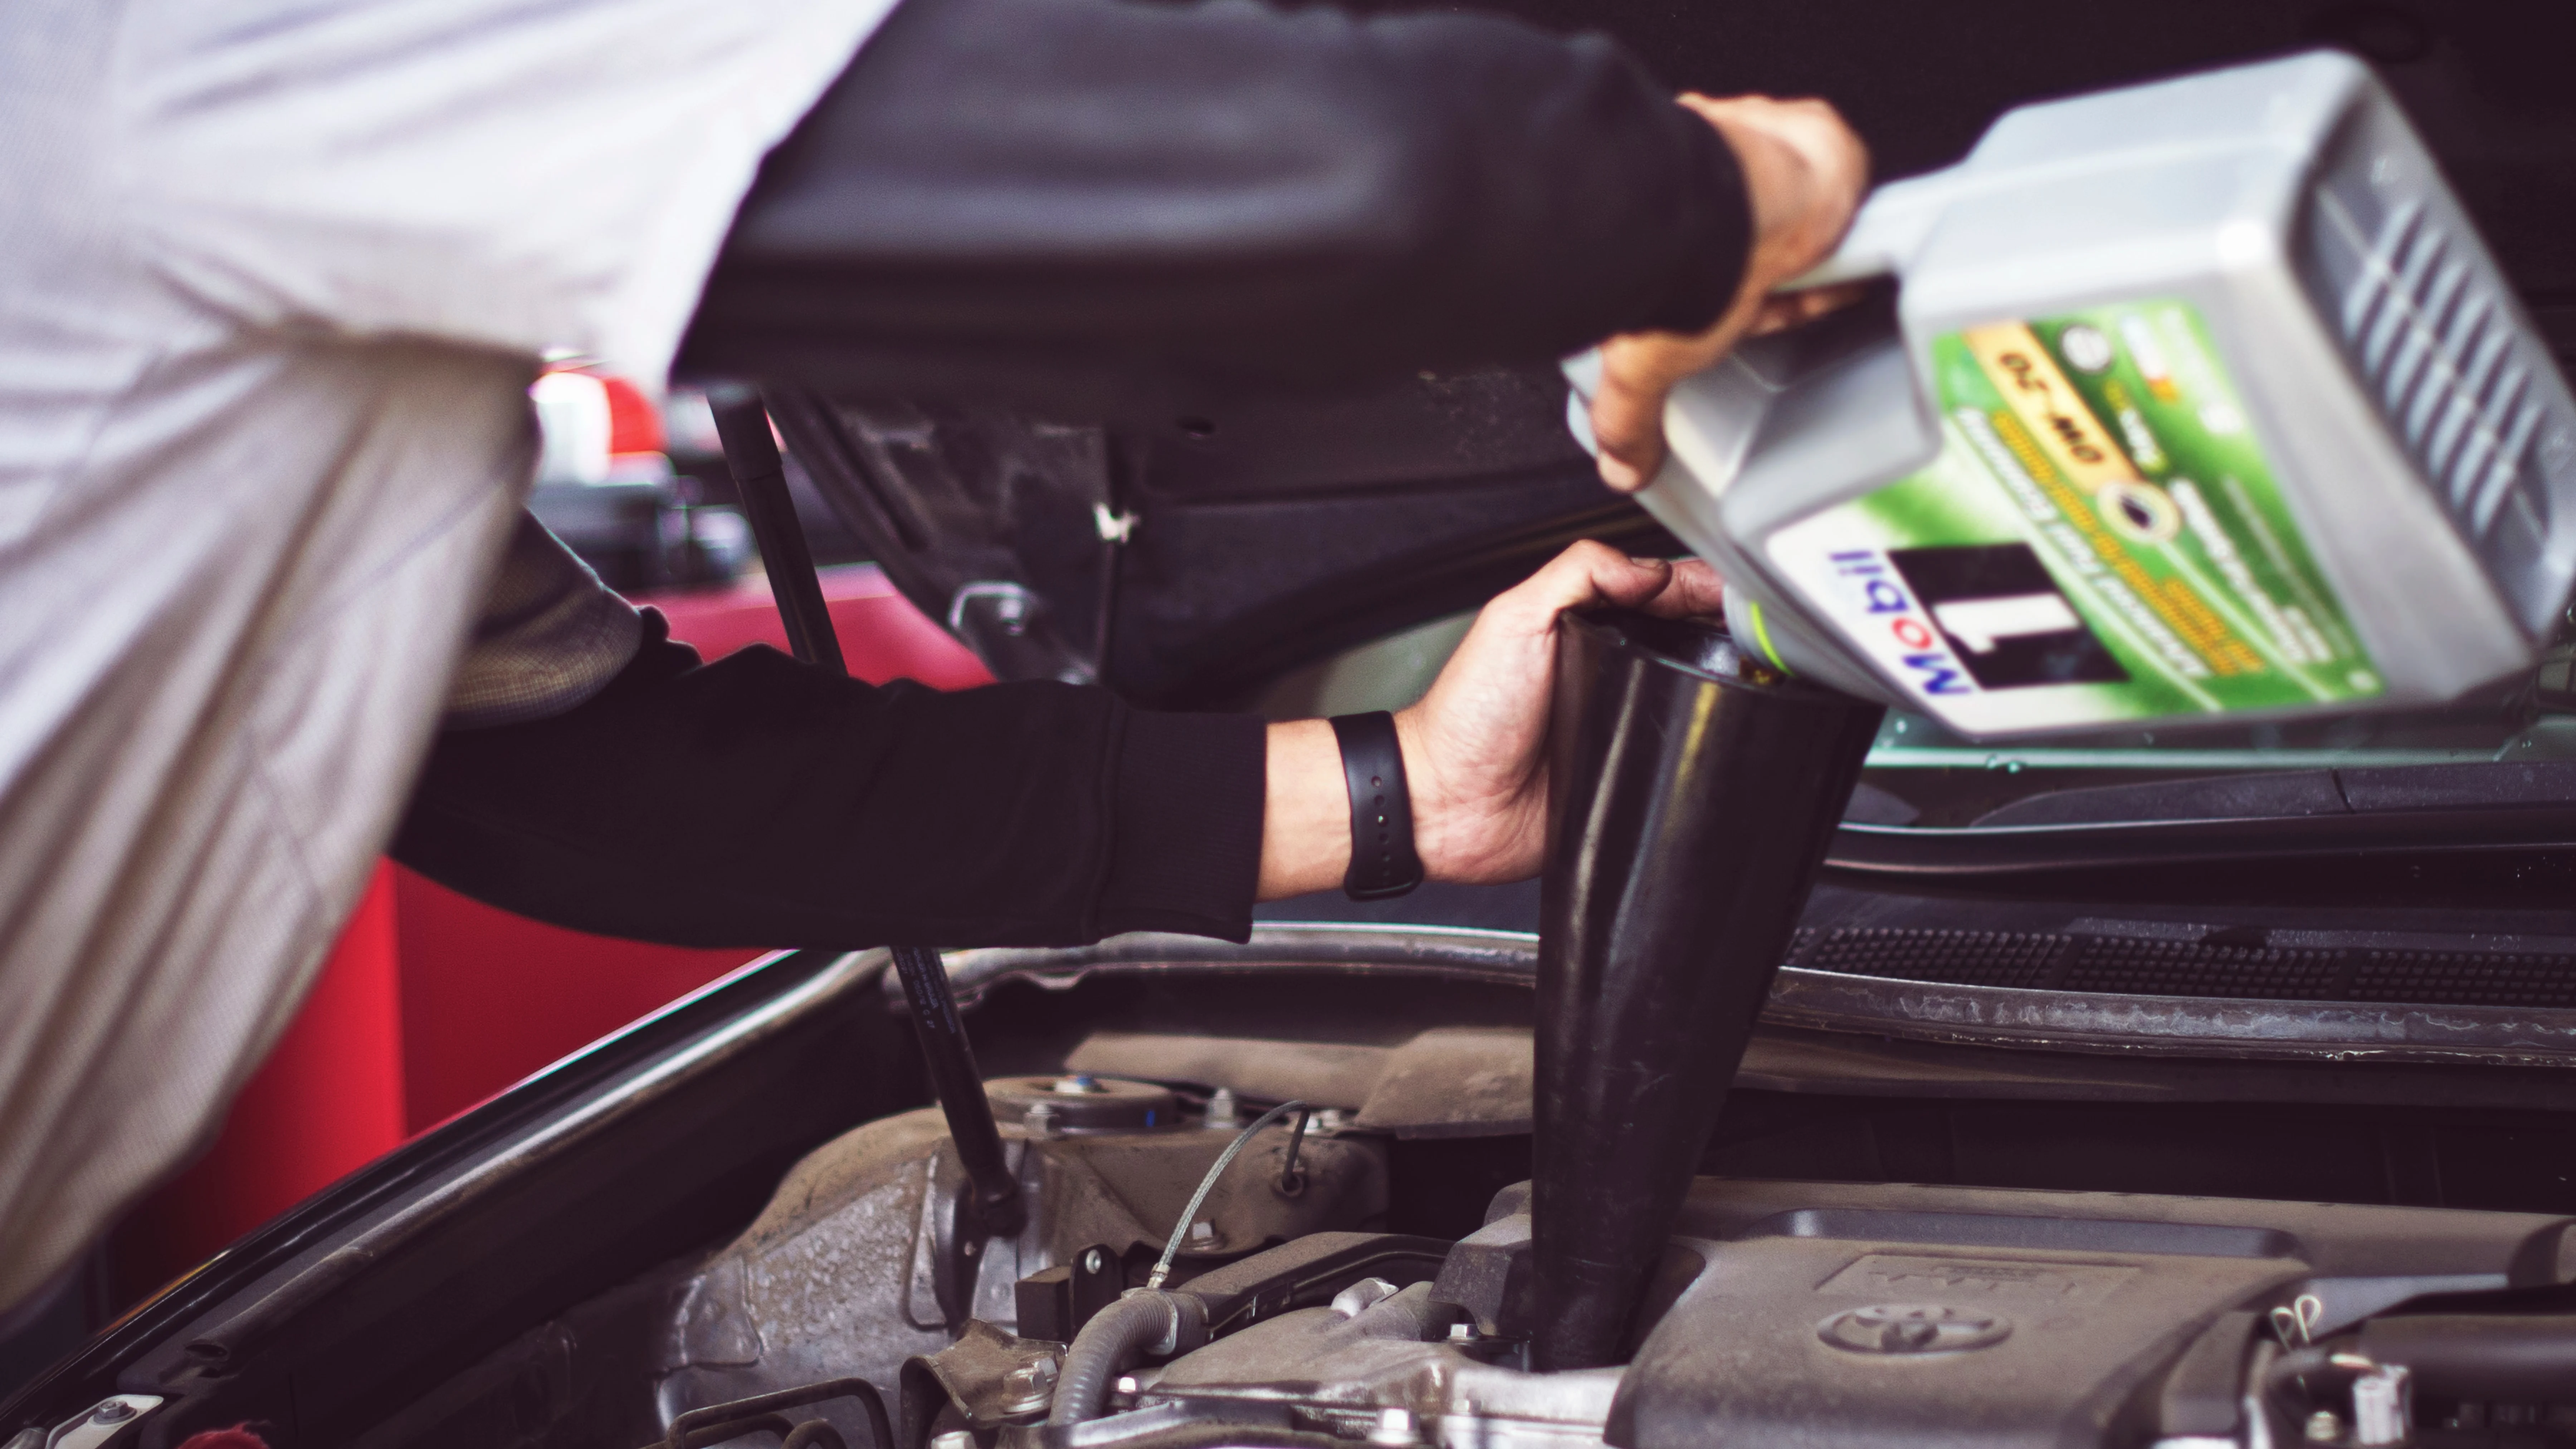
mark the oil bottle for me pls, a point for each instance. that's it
(2201, 398)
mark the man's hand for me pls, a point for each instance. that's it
(1475, 748)
(1803, 171)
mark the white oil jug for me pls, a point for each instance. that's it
(2198, 398)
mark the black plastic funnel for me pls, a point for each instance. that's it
(1692, 794)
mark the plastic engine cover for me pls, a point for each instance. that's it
(1834, 1315)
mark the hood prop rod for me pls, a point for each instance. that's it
(992, 1205)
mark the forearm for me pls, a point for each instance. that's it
(759, 802)
(1306, 812)
(1222, 189)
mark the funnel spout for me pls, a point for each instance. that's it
(1692, 794)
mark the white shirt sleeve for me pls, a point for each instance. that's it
(519, 174)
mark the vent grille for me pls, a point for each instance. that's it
(2194, 968)
(2465, 979)
(2215, 967)
(2432, 333)
(1963, 958)
(2429, 335)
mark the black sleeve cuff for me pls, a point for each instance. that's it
(1185, 854)
(1715, 220)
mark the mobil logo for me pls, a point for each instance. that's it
(1889, 616)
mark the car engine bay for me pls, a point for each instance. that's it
(1781, 1312)
(1106, 1245)
(2087, 1114)
(1714, 1154)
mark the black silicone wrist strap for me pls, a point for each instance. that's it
(1383, 863)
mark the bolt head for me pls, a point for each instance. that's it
(1030, 1385)
(114, 1411)
(1094, 1261)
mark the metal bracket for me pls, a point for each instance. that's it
(102, 1423)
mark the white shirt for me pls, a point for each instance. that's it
(274, 276)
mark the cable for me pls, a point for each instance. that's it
(1190, 1214)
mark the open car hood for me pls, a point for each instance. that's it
(1189, 558)
(1186, 563)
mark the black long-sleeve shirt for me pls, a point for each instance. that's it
(757, 801)
(1002, 193)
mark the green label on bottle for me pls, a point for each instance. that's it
(2101, 540)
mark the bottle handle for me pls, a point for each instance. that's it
(1885, 234)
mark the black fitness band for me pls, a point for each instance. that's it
(1383, 864)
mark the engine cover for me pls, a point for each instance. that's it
(1826, 1314)
(1862, 1315)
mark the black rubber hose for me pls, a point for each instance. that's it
(1110, 1344)
(2480, 1356)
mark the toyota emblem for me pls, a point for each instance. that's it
(1914, 1328)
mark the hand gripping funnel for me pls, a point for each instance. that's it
(1693, 791)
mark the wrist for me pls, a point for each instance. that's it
(1439, 838)
(1306, 813)
(1803, 173)
(1306, 819)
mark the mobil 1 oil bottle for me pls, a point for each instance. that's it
(2193, 399)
